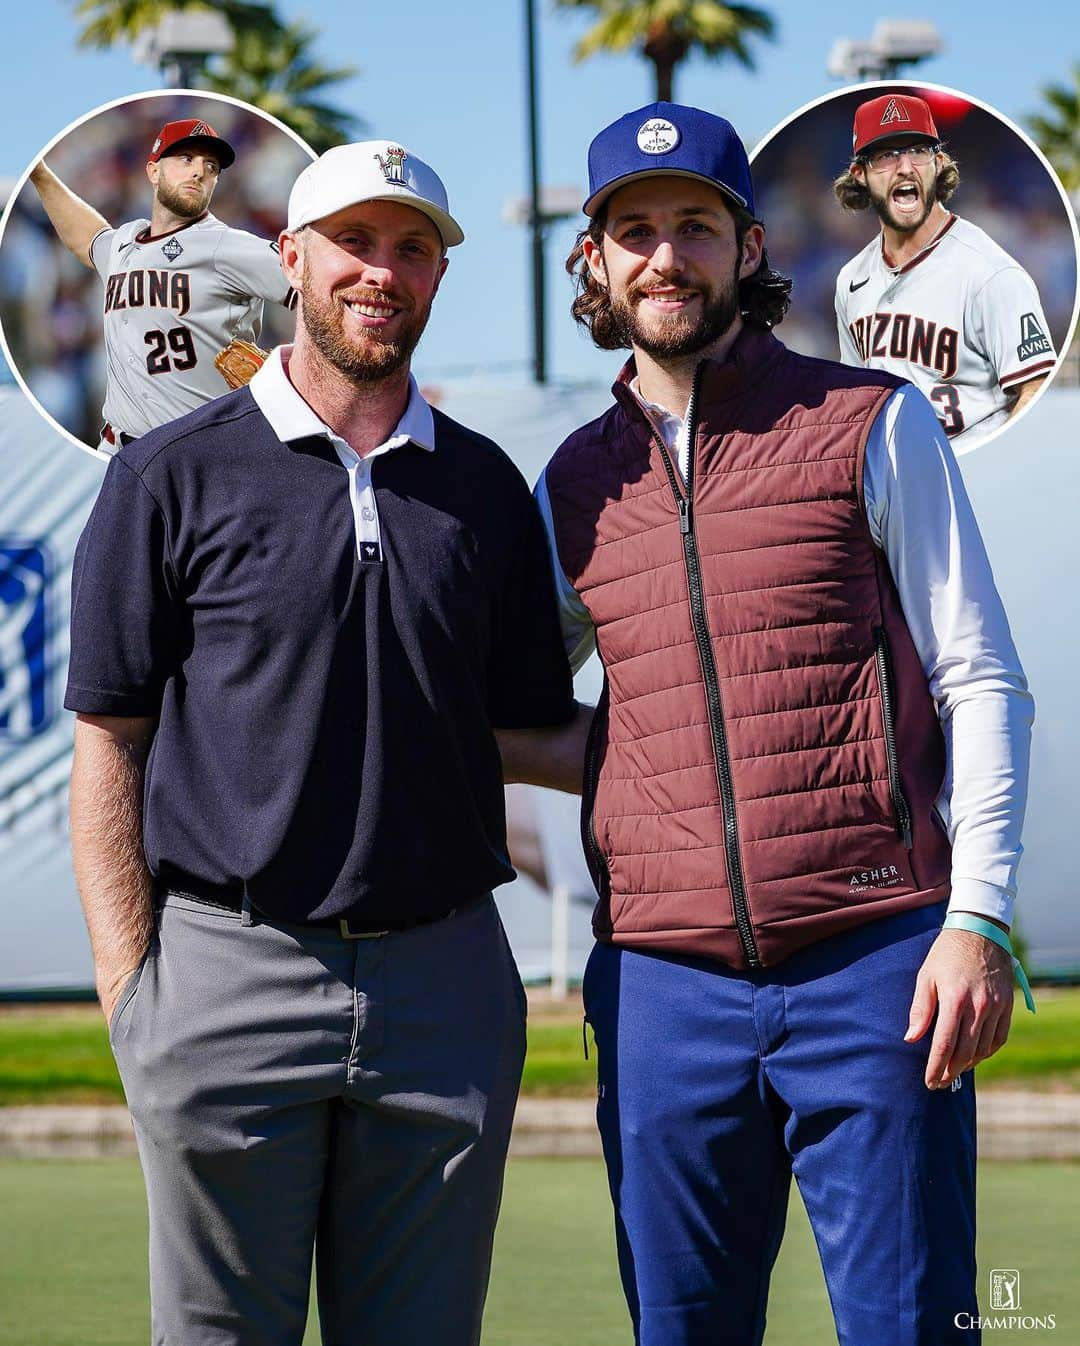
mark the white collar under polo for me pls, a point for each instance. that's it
(292, 418)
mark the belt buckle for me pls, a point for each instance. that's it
(346, 933)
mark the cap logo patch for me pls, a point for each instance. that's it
(393, 166)
(657, 136)
(895, 111)
(157, 145)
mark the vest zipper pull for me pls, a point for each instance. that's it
(584, 1035)
(684, 514)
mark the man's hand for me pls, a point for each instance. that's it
(968, 980)
(109, 989)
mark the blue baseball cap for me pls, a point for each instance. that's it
(667, 138)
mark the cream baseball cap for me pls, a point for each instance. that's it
(371, 170)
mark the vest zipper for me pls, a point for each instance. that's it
(597, 861)
(685, 506)
(896, 789)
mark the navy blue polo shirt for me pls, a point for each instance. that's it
(325, 721)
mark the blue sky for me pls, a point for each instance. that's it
(453, 90)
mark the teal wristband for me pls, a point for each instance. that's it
(964, 920)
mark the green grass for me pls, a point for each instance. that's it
(56, 1056)
(62, 1055)
(73, 1256)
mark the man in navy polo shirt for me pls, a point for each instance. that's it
(298, 615)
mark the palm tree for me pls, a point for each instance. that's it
(667, 31)
(277, 73)
(1058, 134)
(111, 21)
(269, 66)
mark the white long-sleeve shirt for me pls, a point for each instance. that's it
(921, 518)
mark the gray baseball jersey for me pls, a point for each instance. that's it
(172, 301)
(961, 320)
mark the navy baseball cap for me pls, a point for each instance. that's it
(667, 138)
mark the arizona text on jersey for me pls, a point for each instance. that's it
(172, 301)
(962, 320)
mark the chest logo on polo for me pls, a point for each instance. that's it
(393, 166)
(149, 288)
(895, 111)
(902, 336)
(887, 876)
(1033, 340)
(657, 136)
(172, 249)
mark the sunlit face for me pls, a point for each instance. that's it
(184, 181)
(902, 193)
(366, 277)
(672, 264)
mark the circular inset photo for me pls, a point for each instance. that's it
(928, 236)
(136, 247)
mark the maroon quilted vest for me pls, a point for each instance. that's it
(766, 753)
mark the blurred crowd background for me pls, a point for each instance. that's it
(1004, 189)
(51, 305)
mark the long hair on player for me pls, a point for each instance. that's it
(853, 194)
(764, 297)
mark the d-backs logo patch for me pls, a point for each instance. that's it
(1033, 340)
(26, 668)
(895, 111)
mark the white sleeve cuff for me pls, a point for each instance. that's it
(984, 899)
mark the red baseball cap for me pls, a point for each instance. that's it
(174, 134)
(890, 116)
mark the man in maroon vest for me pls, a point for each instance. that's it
(810, 754)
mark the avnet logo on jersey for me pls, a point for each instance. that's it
(26, 700)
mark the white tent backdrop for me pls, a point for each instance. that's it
(1024, 486)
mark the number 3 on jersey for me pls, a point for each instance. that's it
(169, 350)
(947, 401)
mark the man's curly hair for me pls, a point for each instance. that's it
(853, 194)
(764, 297)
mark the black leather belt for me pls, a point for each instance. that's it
(231, 898)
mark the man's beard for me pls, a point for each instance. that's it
(881, 205)
(180, 203)
(668, 338)
(373, 360)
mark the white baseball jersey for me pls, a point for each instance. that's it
(172, 301)
(961, 320)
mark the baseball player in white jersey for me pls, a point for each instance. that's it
(179, 286)
(933, 298)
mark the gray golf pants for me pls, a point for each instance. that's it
(293, 1090)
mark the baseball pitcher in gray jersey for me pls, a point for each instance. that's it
(179, 286)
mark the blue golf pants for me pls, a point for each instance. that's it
(716, 1085)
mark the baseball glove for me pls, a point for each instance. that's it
(239, 362)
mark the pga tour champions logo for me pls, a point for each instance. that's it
(1005, 1308)
(25, 692)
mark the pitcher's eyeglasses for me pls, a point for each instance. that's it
(918, 154)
